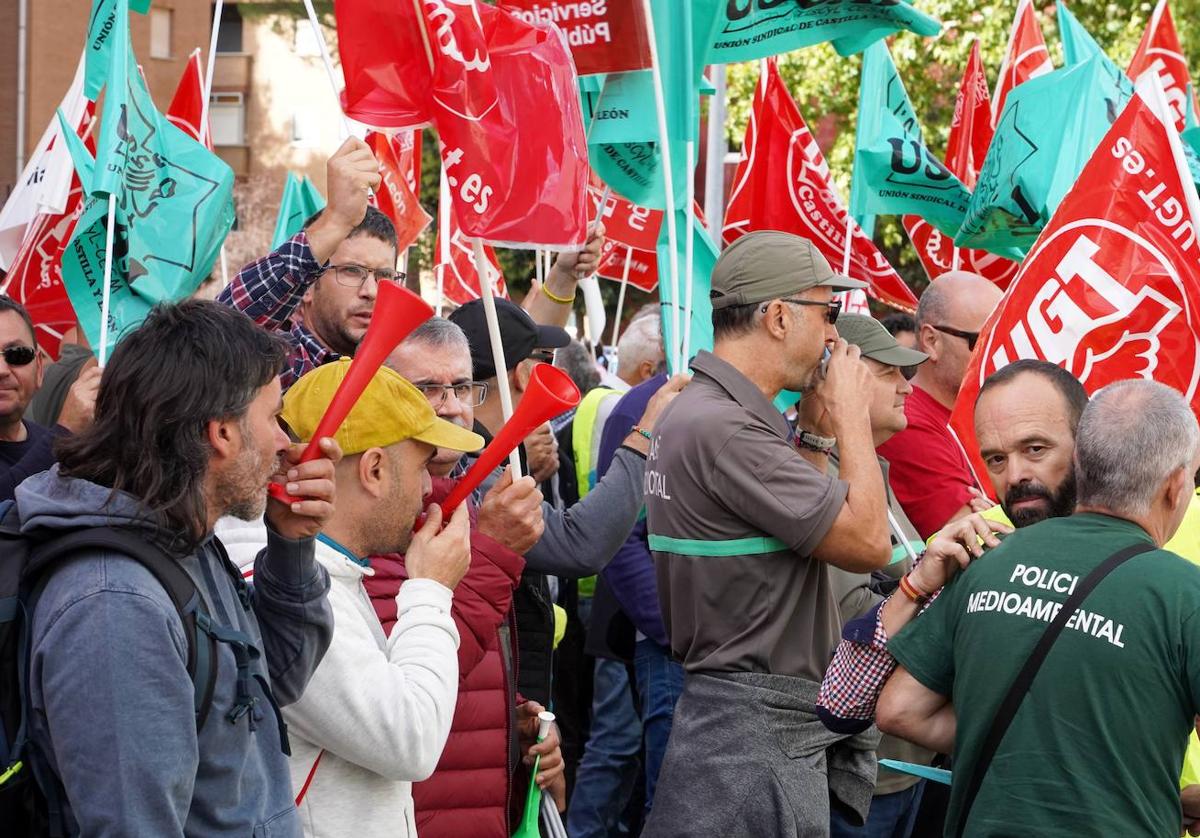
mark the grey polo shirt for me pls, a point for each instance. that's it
(734, 513)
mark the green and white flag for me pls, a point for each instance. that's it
(301, 199)
(103, 28)
(894, 172)
(174, 205)
(704, 257)
(1050, 127)
(750, 30)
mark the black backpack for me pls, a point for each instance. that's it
(30, 797)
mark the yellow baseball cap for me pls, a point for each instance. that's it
(390, 410)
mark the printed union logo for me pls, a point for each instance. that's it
(1098, 327)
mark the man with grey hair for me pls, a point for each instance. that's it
(930, 473)
(640, 353)
(1096, 735)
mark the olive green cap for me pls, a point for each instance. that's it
(770, 265)
(876, 342)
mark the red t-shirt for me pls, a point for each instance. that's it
(929, 472)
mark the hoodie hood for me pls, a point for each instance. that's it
(48, 501)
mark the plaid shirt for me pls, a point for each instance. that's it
(855, 677)
(270, 290)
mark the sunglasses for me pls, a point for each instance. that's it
(969, 337)
(832, 308)
(18, 356)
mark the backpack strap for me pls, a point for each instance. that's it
(184, 595)
(1021, 684)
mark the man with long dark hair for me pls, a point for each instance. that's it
(185, 431)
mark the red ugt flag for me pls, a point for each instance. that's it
(399, 160)
(1025, 58)
(1111, 288)
(627, 223)
(970, 135)
(782, 183)
(1159, 52)
(605, 37)
(187, 104)
(619, 261)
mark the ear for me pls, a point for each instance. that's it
(225, 438)
(929, 341)
(645, 370)
(774, 319)
(1177, 488)
(519, 377)
(374, 471)
(309, 292)
(40, 361)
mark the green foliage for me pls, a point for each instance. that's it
(826, 86)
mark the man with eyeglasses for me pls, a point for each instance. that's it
(929, 470)
(744, 524)
(26, 448)
(318, 288)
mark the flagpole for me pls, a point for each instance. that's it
(660, 109)
(203, 129)
(443, 256)
(102, 355)
(956, 258)
(486, 293)
(714, 173)
(621, 298)
(688, 249)
(320, 36)
(849, 238)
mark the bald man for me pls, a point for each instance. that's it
(930, 475)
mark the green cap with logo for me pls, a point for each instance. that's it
(876, 342)
(770, 265)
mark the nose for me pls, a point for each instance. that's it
(370, 287)
(282, 441)
(426, 483)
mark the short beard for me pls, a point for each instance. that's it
(1061, 503)
(243, 486)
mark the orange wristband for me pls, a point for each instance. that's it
(912, 592)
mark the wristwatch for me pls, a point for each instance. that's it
(815, 442)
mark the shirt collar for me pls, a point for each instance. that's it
(329, 542)
(742, 389)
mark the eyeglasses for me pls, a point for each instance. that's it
(969, 337)
(833, 307)
(353, 276)
(470, 393)
(542, 356)
(18, 356)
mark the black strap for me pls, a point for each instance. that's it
(1020, 685)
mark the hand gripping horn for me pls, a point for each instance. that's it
(550, 393)
(398, 312)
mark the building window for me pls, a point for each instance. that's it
(306, 129)
(227, 116)
(229, 36)
(305, 43)
(160, 33)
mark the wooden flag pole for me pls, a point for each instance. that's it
(443, 255)
(660, 109)
(621, 298)
(102, 355)
(486, 293)
(206, 96)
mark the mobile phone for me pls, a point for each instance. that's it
(824, 365)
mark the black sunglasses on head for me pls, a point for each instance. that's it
(18, 356)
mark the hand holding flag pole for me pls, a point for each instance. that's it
(593, 302)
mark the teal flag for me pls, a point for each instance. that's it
(81, 158)
(174, 206)
(1034, 159)
(894, 172)
(704, 257)
(1077, 43)
(108, 20)
(300, 201)
(750, 30)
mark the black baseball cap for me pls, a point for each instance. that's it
(519, 334)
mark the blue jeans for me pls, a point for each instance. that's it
(891, 816)
(609, 766)
(660, 681)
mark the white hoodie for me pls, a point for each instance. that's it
(379, 707)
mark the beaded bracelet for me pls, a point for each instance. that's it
(638, 429)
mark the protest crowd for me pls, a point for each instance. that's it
(798, 552)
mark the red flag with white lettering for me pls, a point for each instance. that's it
(605, 37)
(970, 135)
(1025, 58)
(783, 183)
(455, 268)
(627, 223)
(187, 105)
(1159, 52)
(642, 265)
(1111, 288)
(396, 199)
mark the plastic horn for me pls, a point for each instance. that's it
(550, 393)
(533, 798)
(398, 312)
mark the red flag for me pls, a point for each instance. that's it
(1159, 52)
(627, 223)
(385, 58)
(187, 104)
(1111, 288)
(605, 37)
(397, 200)
(643, 265)
(782, 183)
(457, 271)
(1025, 58)
(35, 277)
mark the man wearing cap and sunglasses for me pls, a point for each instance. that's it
(929, 470)
(26, 447)
(745, 524)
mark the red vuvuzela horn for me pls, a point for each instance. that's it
(550, 392)
(398, 312)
